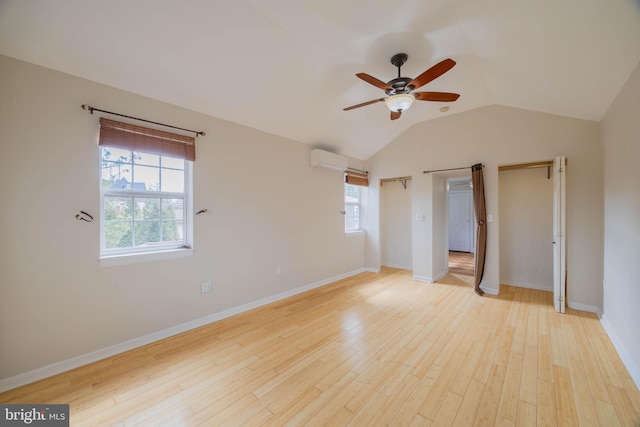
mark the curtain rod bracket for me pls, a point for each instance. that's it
(92, 109)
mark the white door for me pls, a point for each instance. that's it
(559, 234)
(460, 221)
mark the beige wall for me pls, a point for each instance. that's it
(395, 227)
(621, 140)
(267, 207)
(494, 136)
(526, 228)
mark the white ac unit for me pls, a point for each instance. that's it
(325, 159)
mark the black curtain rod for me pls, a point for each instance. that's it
(445, 170)
(358, 170)
(92, 109)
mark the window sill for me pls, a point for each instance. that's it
(109, 261)
(355, 233)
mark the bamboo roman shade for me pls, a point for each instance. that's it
(137, 138)
(356, 178)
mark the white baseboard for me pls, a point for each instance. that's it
(401, 267)
(94, 356)
(585, 307)
(372, 270)
(439, 275)
(490, 291)
(627, 360)
(428, 279)
(535, 286)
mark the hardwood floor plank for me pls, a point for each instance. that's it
(545, 359)
(488, 409)
(526, 414)
(546, 404)
(584, 402)
(529, 378)
(373, 349)
(607, 414)
(565, 406)
(397, 397)
(329, 402)
(431, 405)
(509, 397)
(625, 409)
(469, 405)
(409, 409)
(448, 410)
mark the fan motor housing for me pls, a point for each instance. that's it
(399, 85)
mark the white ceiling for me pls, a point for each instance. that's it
(288, 66)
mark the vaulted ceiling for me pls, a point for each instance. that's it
(288, 66)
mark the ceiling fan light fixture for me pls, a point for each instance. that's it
(400, 102)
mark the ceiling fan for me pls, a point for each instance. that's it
(400, 91)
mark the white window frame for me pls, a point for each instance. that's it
(358, 204)
(160, 251)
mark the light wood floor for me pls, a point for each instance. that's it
(369, 350)
(462, 263)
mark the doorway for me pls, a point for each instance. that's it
(460, 226)
(532, 227)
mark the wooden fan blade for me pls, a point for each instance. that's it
(372, 80)
(432, 73)
(436, 96)
(395, 115)
(363, 104)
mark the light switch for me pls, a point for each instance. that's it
(489, 218)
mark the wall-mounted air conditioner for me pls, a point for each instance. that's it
(325, 159)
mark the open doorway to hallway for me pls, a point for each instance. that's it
(461, 263)
(460, 225)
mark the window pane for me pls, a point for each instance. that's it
(173, 163)
(146, 159)
(118, 208)
(173, 209)
(352, 207)
(146, 178)
(147, 232)
(116, 155)
(352, 217)
(116, 175)
(172, 181)
(118, 234)
(172, 231)
(147, 208)
(351, 193)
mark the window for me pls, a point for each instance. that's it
(351, 208)
(354, 180)
(145, 196)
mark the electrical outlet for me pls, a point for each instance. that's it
(206, 287)
(278, 270)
